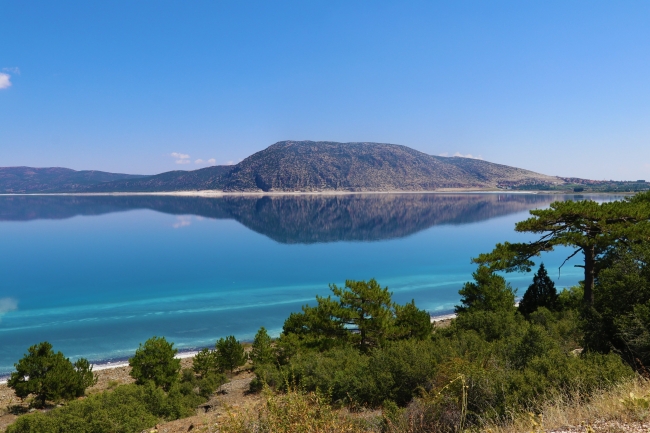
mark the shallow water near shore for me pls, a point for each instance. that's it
(95, 276)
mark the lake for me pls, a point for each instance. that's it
(96, 275)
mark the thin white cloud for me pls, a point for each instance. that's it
(469, 155)
(444, 154)
(5, 80)
(182, 221)
(230, 163)
(181, 158)
(210, 161)
(13, 70)
(7, 305)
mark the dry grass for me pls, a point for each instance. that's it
(625, 403)
(293, 412)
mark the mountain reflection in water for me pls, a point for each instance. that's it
(303, 219)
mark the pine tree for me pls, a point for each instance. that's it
(205, 363)
(585, 226)
(50, 376)
(230, 353)
(488, 292)
(541, 293)
(154, 361)
(366, 309)
(262, 350)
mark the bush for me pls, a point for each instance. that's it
(50, 376)
(127, 409)
(571, 298)
(154, 361)
(402, 369)
(206, 383)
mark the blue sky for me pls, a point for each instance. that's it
(561, 88)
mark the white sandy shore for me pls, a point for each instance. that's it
(117, 364)
(443, 317)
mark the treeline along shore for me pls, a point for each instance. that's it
(356, 361)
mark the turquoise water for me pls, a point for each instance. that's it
(95, 276)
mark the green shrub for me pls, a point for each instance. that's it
(571, 298)
(342, 372)
(402, 369)
(206, 383)
(127, 409)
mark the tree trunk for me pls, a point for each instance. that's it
(590, 258)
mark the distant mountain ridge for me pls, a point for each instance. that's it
(294, 166)
(18, 180)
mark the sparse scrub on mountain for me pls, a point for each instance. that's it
(293, 166)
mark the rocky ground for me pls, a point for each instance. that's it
(230, 396)
(605, 427)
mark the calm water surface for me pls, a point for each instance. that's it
(95, 276)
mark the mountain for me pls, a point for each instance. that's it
(293, 219)
(17, 180)
(202, 179)
(289, 166)
(329, 166)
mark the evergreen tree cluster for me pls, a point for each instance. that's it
(50, 376)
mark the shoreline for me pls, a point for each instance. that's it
(217, 193)
(190, 353)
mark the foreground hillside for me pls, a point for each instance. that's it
(234, 409)
(357, 361)
(295, 166)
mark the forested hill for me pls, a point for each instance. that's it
(18, 180)
(306, 166)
